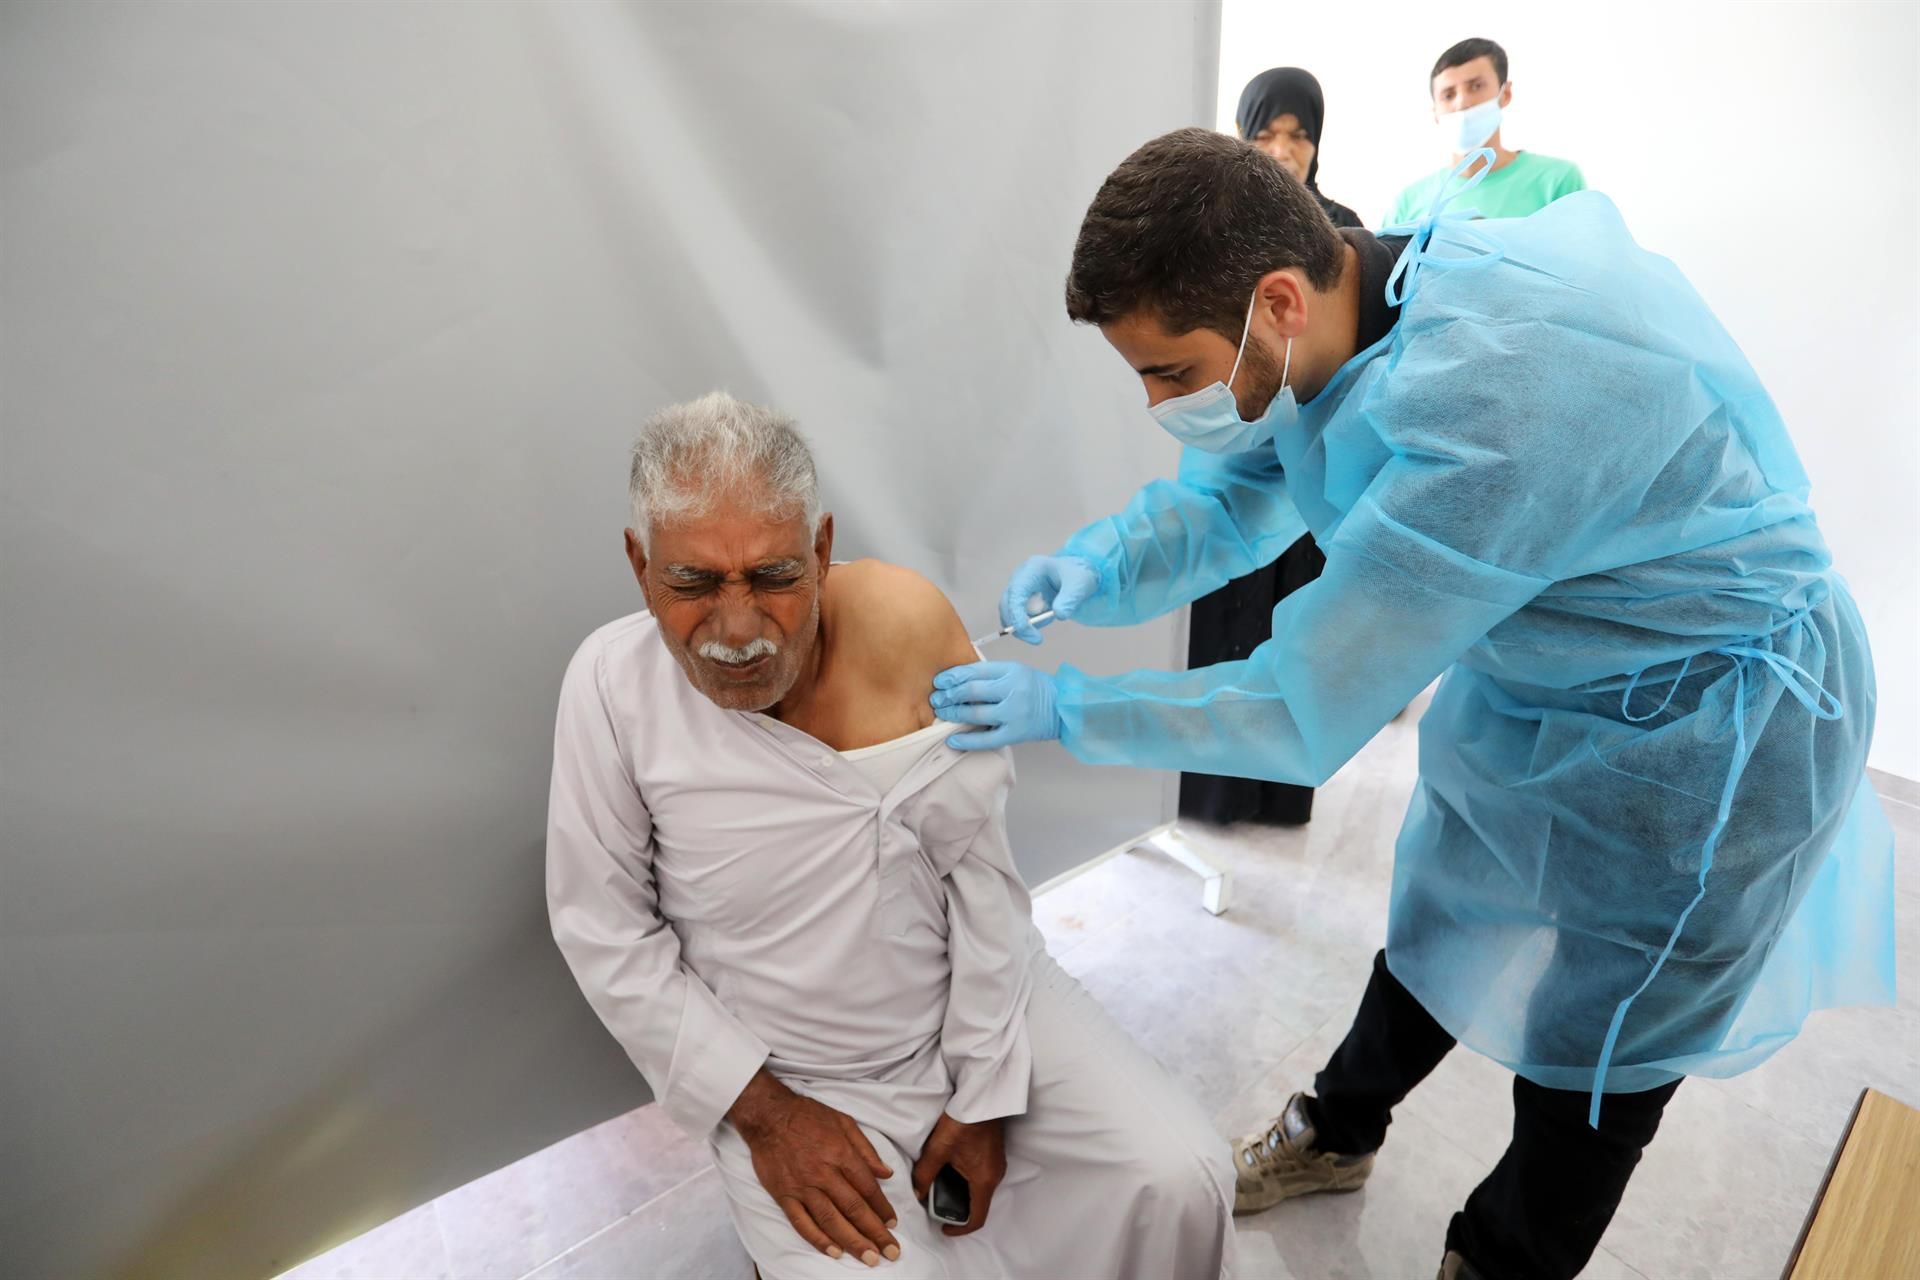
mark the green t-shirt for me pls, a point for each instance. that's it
(1528, 185)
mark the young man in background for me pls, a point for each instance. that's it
(1471, 93)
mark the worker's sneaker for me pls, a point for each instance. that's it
(1281, 1162)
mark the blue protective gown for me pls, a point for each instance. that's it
(1641, 844)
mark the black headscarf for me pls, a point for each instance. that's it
(1285, 90)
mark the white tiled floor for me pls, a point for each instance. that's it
(1245, 1007)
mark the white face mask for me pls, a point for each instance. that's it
(1462, 131)
(1209, 419)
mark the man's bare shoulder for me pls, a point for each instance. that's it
(898, 618)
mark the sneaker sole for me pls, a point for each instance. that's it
(1244, 1203)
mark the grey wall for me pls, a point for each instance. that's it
(324, 330)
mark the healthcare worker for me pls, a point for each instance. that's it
(1641, 845)
(1470, 93)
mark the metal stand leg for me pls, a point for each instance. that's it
(1216, 883)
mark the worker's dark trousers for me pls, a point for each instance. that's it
(1541, 1212)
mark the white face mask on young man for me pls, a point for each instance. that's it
(1461, 131)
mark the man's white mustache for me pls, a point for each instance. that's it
(714, 651)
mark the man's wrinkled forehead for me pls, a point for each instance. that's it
(731, 542)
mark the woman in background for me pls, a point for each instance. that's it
(1281, 112)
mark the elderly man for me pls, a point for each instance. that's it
(794, 905)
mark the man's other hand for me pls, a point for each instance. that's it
(977, 1152)
(819, 1168)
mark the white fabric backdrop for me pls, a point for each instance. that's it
(325, 330)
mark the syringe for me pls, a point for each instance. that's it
(1038, 620)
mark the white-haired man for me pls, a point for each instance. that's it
(794, 905)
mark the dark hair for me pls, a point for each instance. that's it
(1466, 51)
(1187, 225)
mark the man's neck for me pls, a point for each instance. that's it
(1501, 157)
(1339, 319)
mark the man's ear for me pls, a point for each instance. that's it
(1283, 299)
(637, 557)
(823, 544)
(1506, 95)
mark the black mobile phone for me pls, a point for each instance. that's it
(949, 1200)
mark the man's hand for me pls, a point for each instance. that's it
(977, 1152)
(819, 1168)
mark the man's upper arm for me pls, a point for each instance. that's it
(944, 639)
(910, 623)
(593, 797)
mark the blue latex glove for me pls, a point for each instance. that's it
(1061, 582)
(1015, 702)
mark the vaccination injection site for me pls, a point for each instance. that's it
(959, 640)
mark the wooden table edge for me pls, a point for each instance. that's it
(1826, 1180)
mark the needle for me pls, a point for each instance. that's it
(1038, 620)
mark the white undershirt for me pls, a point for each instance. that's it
(885, 763)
